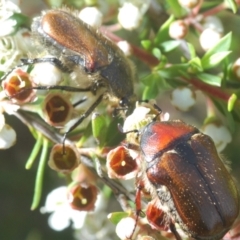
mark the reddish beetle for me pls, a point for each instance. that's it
(184, 173)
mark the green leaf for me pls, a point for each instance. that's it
(233, 5)
(231, 102)
(147, 44)
(210, 79)
(175, 8)
(192, 51)
(195, 65)
(116, 217)
(157, 53)
(222, 107)
(98, 128)
(162, 34)
(214, 59)
(39, 177)
(22, 20)
(35, 151)
(168, 46)
(174, 71)
(221, 46)
(113, 135)
(150, 92)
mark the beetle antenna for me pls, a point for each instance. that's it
(159, 111)
(174, 231)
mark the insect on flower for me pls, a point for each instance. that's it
(186, 178)
(96, 64)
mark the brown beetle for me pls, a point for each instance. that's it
(95, 64)
(77, 47)
(187, 179)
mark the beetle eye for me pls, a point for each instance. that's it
(124, 102)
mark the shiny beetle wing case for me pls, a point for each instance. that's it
(202, 197)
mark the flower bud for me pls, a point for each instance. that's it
(236, 68)
(91, 16)
(209, 38)
(46, 74)
(126, 228)
(7, 137)
(189, 3)
(178, 29)
(129, 16)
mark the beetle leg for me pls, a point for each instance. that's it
(79, 121)
(174, 231)
(53, 60)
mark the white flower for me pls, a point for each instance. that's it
(46, 74)
(219, 133)
(178, 29)
(129, 16)
(183, 98)
(7, 25)
(125, 228)
(91, 16)
(209, 38)
(7, 137)
(61, 212)
(125, 47)
(7, 134)
(189, 3)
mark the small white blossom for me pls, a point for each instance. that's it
(129, 16)
(7, 25)
(61, 212)
(91, 16)
(46, 74)
(125, 47)
(178, 29)
(183, 98)
(219, 133)
(189, 3)
(7, 137)
(2, 121)
(209, 38)
(125, 228)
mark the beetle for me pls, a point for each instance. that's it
(187, 179)
(95, 64)
(95, 61)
